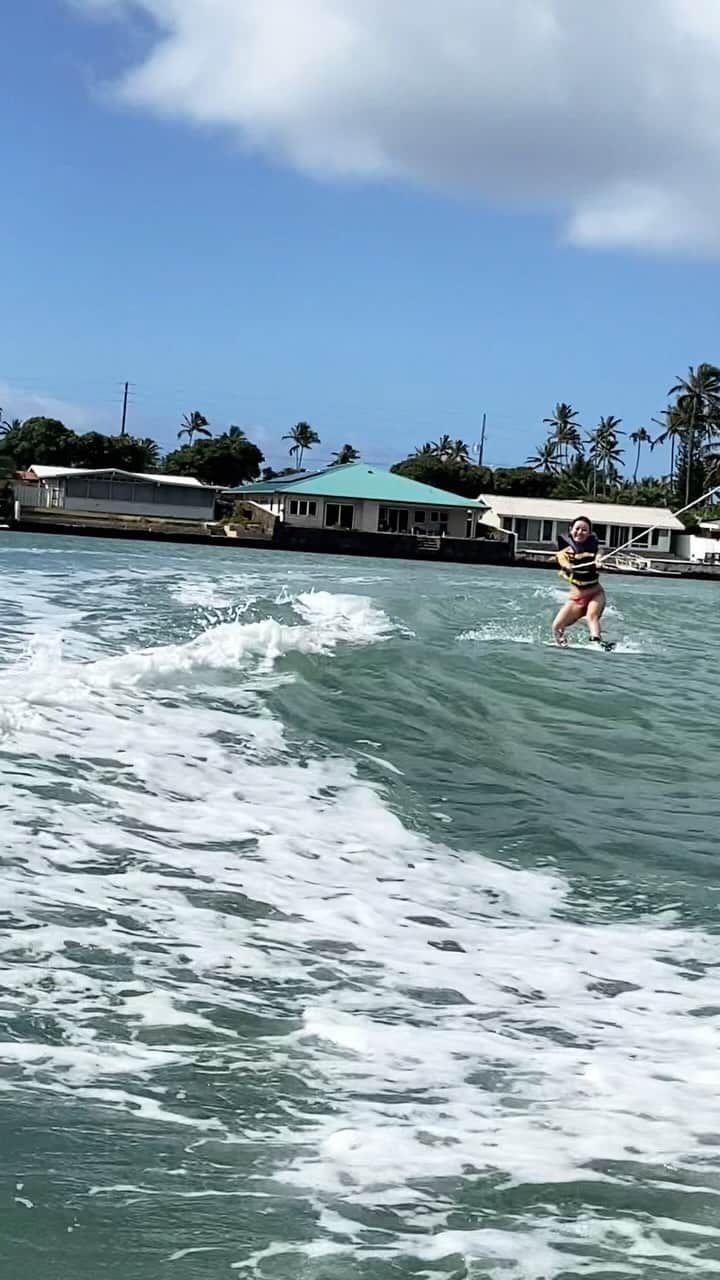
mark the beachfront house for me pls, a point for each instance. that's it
(73, 491)
(537, 522)
(366, 499)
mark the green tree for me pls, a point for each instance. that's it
(711, 471)
(565, 431)
(459, 451)
(443, 448)
(674, 426)
(546, 457)
(46, 441)
(523, 482)
(639, 438)
(446, 449)
(464, 479)
(698, 408)
(346, 455)
(690, 469)
(647, 492)
(579, 480)
(303, 437)
(151, 454)
(127, 453)
(605, 451)
(194, 424)
(226, 460)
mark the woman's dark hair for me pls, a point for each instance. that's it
(584, 519)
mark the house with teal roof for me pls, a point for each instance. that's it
(355, 496)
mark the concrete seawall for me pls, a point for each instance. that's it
(348, 542)
(284, 538)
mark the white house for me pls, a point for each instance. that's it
(113, 492)
(537, 522)
(367, 499)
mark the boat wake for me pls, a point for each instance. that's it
(408, 1059)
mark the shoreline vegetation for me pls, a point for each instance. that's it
(571, 462)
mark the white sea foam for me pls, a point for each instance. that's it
(503, 633)
(202, 592)
(591, 1245)
(494, 632)
(329, 620)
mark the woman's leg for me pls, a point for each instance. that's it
(594, 613)
(567, 617)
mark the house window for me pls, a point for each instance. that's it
(658, 537)
(293, 507)
(301, 507)
(533, 530)
(547, 531)
(600, 532)
(393, 519)
(338, 515)
(434, 517)
(419, 517)
(312, 508)
(521, 528)
(507, 524)
(641, 537)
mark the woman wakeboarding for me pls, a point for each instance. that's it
(577, 557)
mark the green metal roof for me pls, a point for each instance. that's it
(356, 480)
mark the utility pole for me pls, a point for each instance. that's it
(124, 409)
(482, 441)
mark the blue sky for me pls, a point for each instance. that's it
(385, 307)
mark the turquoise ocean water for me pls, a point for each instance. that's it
(348, 931)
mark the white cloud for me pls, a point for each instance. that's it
(600, 112)
(18, 402)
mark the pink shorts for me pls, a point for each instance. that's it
(583, 599)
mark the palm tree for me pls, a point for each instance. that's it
(650, 491)
(346, 455)
(7, 426)
(424, 451)
(303, 437)
(675, 427)
(712, 469)
(459, 452)
(194, 424)
(698, 402)
(152, 453)
(443, 448)
(605, 453)
(546, 458)
(565, 431)
(640, 437)
(579, 480)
